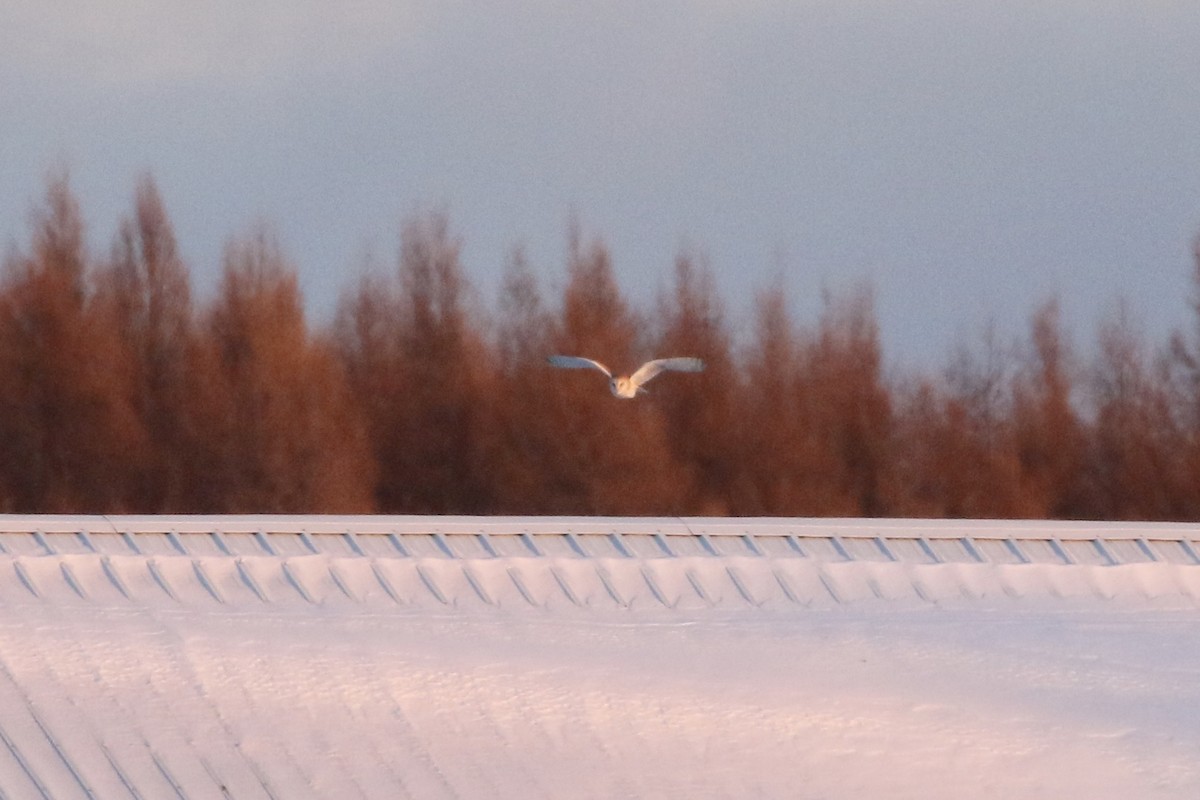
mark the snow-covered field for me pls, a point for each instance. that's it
(131, 668)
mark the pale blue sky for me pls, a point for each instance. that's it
(968, 158)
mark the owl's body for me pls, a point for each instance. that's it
(628, 387)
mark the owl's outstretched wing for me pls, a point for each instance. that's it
(650, 369)
(577, 362)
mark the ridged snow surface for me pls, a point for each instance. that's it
(560, 658)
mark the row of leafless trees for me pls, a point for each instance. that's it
(118, 394)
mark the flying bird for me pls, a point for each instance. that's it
(628, 386)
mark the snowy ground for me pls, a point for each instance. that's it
(319, 676)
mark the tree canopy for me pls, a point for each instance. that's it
(119, 394)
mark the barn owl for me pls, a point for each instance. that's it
(628, 386)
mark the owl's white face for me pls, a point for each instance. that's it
(622, 387)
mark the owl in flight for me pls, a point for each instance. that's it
(628, 386)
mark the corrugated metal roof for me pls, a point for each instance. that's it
(670, 562)
(256, 656)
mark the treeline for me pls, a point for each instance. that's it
(119, 394)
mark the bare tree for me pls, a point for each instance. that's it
(145, 288)
(288, 437)
(520, 437)
(956, 450)
(419, 367)
(67, 429)
(775, 456)
(852, 407)
(701, 417)
(1138, 460)
(1048, 435)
